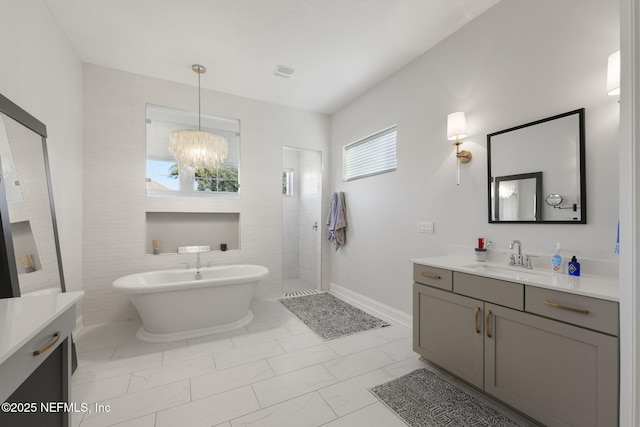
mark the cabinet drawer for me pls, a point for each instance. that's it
(432, 276)
(23, 362)
(592, 313)
(499, 292)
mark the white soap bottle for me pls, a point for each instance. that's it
(556, 260)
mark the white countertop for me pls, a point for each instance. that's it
(587, 285)
(23, 318)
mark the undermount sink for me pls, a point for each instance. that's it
(512, 272)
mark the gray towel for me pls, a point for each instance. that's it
(337, 220)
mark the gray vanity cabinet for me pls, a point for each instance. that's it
(449, 332)
(552, 355)
(560, 374)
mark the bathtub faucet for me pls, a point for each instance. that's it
(198, 265)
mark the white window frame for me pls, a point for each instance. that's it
(374, 155)
(182, 119)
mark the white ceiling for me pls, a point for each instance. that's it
(338, 48)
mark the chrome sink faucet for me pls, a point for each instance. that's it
(518, 259)
(198, 265)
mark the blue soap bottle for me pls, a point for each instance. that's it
(574, 267)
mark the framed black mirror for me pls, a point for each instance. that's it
(29, 248)
(536, 172)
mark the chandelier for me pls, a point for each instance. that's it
(198, 148)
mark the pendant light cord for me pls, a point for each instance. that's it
(199, 103)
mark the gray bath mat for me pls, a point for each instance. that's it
(423, 399)
(330, 317)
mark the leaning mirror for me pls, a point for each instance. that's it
(31, 249)
(536, 171)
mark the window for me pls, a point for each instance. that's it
(371, 156)
(166, 178)
(287, 182)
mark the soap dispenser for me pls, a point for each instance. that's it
(556, 260)
(574, 267)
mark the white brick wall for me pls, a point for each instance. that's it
(114, 182)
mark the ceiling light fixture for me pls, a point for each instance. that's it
(197, 148)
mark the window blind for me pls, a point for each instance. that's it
(371, 156)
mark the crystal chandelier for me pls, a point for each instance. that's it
(198, 148)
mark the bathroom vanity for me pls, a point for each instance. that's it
(544, 344)
(35, 359)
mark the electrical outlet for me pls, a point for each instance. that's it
(425, 227)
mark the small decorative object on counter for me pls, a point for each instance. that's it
(481, 250)
(574, 267)
(223, 247)
(27, 263)
(156, 246)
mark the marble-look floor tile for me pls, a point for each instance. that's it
(297, 383)
(243, 355)
(98, 371)
(300, 359)
(197, 350)
(358, 363)
(170, 373)
(372, 415)
(280, 321)
(146, 421)
(404, 367)
(356, 343)
(141, 348)
(136, 405)
(253, 338)
(400, 349)
(300, 341)
(211, 410)
(228, 379)
(308, 410)
(350, 395)
(394, 332)
(216, 337)
(99, 390)
(92, 357)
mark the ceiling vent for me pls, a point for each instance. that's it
(283, 71)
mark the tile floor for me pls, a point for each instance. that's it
(273, 372)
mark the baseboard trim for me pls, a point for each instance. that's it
(372, 305)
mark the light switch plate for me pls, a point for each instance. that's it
(425, 227)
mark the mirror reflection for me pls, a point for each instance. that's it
(536, 162)
(519, 197)
(24, 174)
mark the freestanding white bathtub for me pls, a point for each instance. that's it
(173, 305)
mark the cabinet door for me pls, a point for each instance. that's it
(447, 331)
(559, 374)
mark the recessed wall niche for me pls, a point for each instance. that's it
(24, 246)
(169, 230)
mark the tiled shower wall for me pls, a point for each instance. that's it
(115, 203)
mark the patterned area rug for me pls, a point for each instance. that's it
(423, 399)
(330, 317)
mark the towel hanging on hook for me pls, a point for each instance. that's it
(337, 221)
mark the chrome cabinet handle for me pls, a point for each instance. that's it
(564, 307)
(432, 276)
(477, 320)
(54, 340)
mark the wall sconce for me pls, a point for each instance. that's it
(457, 130)
(613, 74)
